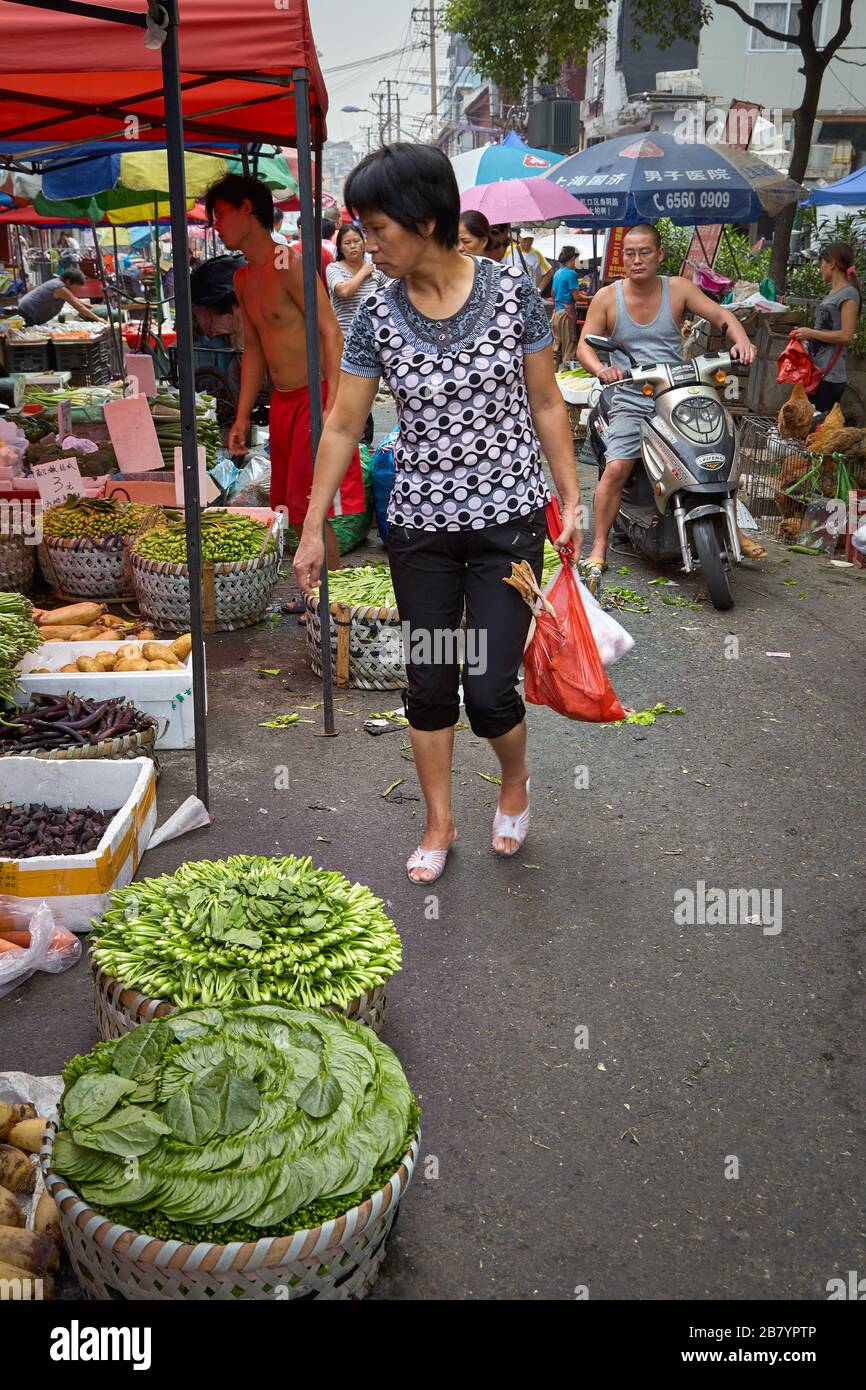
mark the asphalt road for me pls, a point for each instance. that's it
(707, 1140)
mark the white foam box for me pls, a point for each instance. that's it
(76, 886)
(165, 694)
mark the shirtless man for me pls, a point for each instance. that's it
(644, 312)
(270, 291)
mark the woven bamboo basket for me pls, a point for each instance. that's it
(234, 594)
(119, 1010)
(136, 745)
(366, 645)
(83, 568)
(17, 563)
(337, 1261)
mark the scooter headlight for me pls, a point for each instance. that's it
(701, 419)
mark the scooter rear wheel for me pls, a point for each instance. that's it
(706, 534)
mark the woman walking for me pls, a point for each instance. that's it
(465, 346)
(835, 323)
(349, 276)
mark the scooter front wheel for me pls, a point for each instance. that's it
(706, 536)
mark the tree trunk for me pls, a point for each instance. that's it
(804, 122)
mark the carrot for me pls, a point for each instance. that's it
(7, 946)
(15, 938)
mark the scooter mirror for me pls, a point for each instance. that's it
(601, 344)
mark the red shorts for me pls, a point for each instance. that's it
(292, 462)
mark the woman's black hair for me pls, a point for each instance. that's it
(233, 189)
(73, 276)
(477, 225)
(342, 234)
(568, 253)
(412, 184)
(841, 254)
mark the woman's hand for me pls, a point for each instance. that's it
(572, 527)
(802, 334)
(308, 560)
(366, 270)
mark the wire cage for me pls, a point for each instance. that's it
(778, 478)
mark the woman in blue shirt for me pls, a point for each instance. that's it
(563, 325)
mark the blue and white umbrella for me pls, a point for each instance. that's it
(640, 178)
(495, 163)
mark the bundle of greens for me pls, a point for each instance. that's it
(165, 409)
(18, 635)
(94, 518)
(248, 928)
(368, 585)
(233, 1123)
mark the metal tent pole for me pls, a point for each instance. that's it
(115, 335)
(311, 254)
(186, 382)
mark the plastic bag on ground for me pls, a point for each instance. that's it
(562, 665)
(52, 949)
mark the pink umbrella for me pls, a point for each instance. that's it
(521, 200)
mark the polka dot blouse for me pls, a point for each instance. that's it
(466, 456)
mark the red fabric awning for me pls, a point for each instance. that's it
(29, 217)
(71, 77)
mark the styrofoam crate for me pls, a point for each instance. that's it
(165, 694)
(76, 886)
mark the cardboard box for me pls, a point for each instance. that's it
(165, 694)
(76, 886)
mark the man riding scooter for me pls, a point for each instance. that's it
(644, 313)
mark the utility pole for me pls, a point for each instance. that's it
(434, 100)
(393, 105)
(390, 129)
(380, 97)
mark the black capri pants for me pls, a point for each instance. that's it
(435, 574)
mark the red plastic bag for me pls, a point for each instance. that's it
(796, 365)
(562, 667)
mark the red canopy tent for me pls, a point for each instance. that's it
(75, 71)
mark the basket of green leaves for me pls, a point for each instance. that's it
(364, 628)
(244, 928)
(240, 570)
(85, 547)
(244, 1151)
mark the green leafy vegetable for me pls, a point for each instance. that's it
(245, 928)
(262, 1114)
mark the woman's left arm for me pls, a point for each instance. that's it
(849, 313)
(550, 420)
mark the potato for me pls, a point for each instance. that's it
(158, 666)
(75, 613)
(50, 632)
(10, 1212)
(28, 1250)
(24, 1111)
(17, 1173)
(70, 666)
(155, 651)
(132, 649)
(182, 646)
(106, 660)
(131, 663)
(27, 1135)
(20, 1286)
(8, 1118)
(39, 671)
(46, 1219)
(88, 663)
(145, 634)
(94, 633)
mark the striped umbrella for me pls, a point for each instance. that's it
(493, 163)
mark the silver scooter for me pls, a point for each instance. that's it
(679, 501)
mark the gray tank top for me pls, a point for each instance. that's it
(39, 305)
(659, 341)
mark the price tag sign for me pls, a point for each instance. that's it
(56, 480)
(207, 488)
(64, 419)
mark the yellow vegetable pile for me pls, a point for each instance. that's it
(25, 1254)
(131, 656)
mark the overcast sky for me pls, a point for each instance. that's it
(354, 32)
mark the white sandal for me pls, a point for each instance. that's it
(511, 828)
(432, 859)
